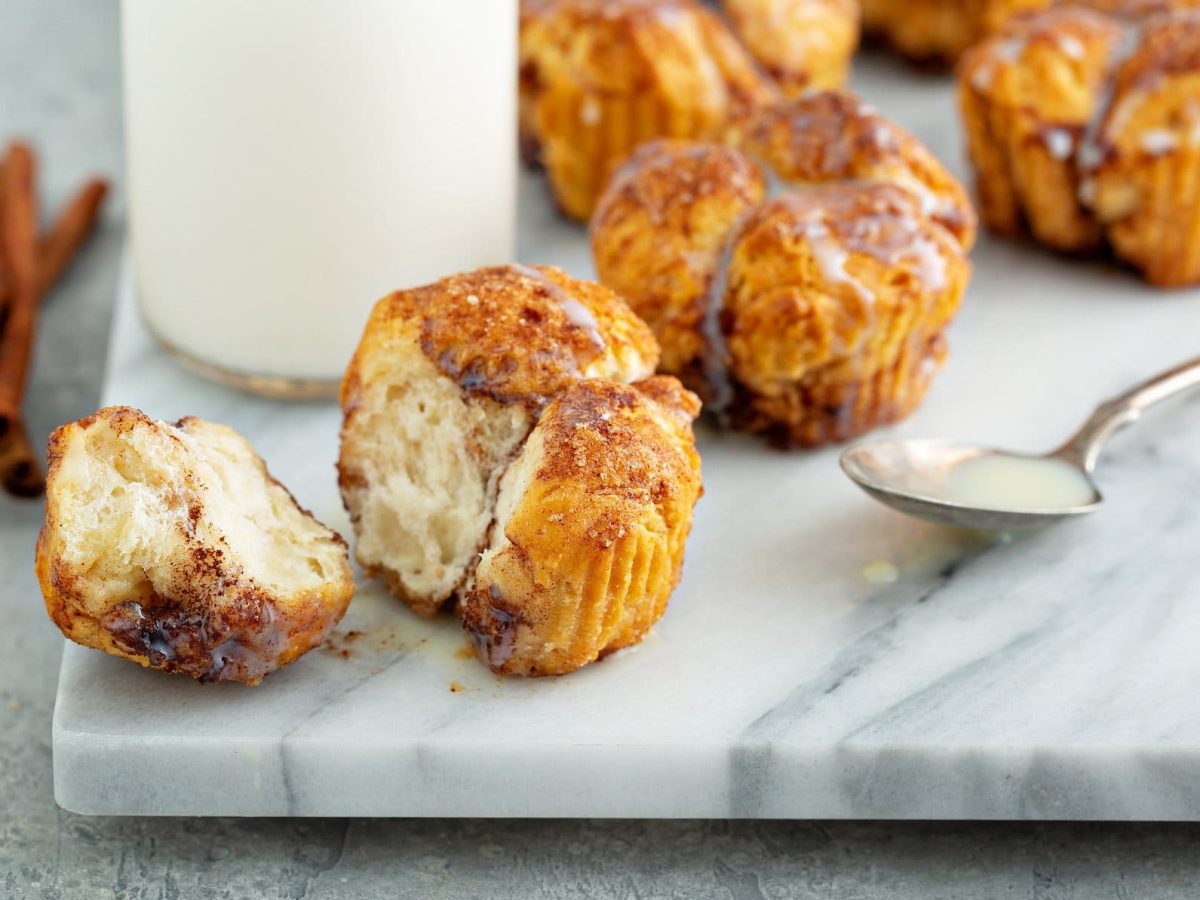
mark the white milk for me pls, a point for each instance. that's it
(291, 161)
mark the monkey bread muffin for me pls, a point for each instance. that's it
(803, 44)
(1083, 125)
(813, 315)
(463, 406)
(172, 546)
(598, 77)
(938, 31)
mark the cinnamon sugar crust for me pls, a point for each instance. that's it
(590, 531)
(513, 334)
(689, 197)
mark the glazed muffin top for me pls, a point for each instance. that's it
(517, 334)
(830, 136)
(745, 288)
(834, 273)
(1087, 69)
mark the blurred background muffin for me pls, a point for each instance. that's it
(1083, 125)
(812, 316)
(938, 31)
(599, 77)
(802, 44)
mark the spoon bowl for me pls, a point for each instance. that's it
(995, 490)
(971, 487)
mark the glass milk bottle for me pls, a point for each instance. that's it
(291, 161)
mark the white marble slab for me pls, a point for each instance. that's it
(1052, 676)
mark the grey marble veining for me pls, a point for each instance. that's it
(67, 49)
(1044, 677)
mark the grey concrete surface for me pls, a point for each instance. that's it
(59, 85)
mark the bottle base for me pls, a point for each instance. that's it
(271, 386)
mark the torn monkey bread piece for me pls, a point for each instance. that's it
(811, 316)
(172, 546)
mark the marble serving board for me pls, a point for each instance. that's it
(1046, 676)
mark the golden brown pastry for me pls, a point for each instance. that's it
(493, 453)
(599, 77)
(446, 384)
(590, 528)
(172, 546)
(1084, 127)
(812, 316)
(939, 31)
(803, 44)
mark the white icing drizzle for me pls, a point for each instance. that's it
(577, 313)
(1091, 151)
(1008, 50)
(716, 349)
(1060, 142)
(1159, 141)
(912, 247)
(1071, 46)
(882, 138)
(832, 257)
(590, 112)
(889, 234)
(926, 257)
(931, 204)
(882, 135)
(1107, 118)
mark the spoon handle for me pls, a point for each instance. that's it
(1113, 415)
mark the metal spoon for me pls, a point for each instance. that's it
(936, 480)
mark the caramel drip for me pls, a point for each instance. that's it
(208, 649)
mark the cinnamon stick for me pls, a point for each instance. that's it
(19, 470)
(6, 286)
(66, 235)
(29, 267)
